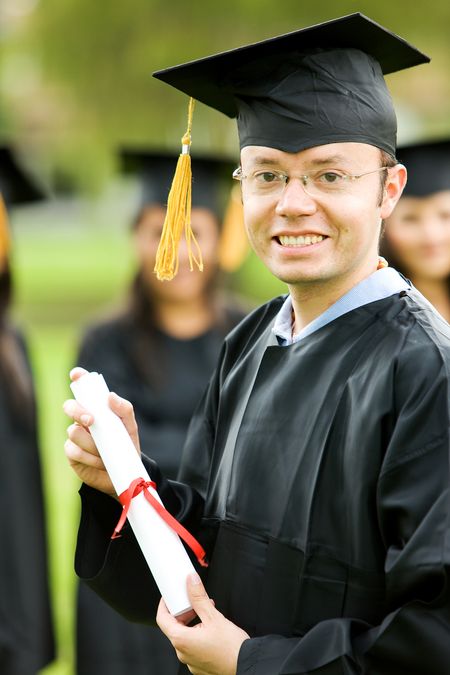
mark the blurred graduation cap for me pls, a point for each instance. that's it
(154, 169)
(212, 188)
(317, 85)
(16, 188)
(428, 165)
(16, 185)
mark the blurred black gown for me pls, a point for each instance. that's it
(107, 643)
(323, 500)
(26, 631)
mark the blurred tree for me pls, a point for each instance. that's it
(78, 76)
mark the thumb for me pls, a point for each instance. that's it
(200, 601)
(77, 372)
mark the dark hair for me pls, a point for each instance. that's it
(140, 314)
(14, 370)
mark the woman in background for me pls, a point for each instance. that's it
(159, 353)
(416, 239)
(26, 632)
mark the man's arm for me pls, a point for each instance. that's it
(116, 570)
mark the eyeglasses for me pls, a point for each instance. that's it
(317, 184)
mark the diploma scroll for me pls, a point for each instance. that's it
(162, 548)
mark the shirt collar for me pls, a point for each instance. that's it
(379, 285)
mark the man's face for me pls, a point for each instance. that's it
(332, 237)
(418, 232)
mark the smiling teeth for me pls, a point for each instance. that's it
(300, 241)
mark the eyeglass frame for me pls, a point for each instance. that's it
(305, 178)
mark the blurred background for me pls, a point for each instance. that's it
(75, 85)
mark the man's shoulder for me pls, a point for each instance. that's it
(424, 338)
(427, 325)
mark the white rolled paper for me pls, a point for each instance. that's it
(161, 546)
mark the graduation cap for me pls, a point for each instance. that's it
(16, 185)
(428, 165)
(16, 188)
(317, 85)
(211, 189)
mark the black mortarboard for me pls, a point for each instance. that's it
(16, 186)
(428, 165)
(318, 85)
(211, 177)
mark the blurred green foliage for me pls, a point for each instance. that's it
(77, 74)
(61, 283)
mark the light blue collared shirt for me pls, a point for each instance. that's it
(381, 284)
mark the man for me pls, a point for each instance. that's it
(315, 472)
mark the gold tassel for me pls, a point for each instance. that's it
(234, 244)
(5, 238)
(178, 215)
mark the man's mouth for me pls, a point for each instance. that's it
(304, 240)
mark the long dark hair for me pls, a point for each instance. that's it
(14, 370)
(145, 335)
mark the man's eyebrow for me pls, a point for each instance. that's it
(322, 161)
(265, 160)
(329, 160)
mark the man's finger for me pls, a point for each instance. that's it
(77, 413)
(76, 454)
(167, 623)
(200, 601)
(82, 437)
(124, 409)
(76, 373)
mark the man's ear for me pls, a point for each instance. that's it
(393, 188)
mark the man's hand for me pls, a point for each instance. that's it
(80, 448)
(212, 646)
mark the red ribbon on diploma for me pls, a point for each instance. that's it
(139, 485)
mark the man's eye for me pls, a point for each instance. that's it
(266, 177)
(329, 177)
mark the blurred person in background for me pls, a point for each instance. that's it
(416, 238)
(26, 631)
(159, 352)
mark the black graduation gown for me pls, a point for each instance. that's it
(327, 521)
(106, 642)
(26, 631)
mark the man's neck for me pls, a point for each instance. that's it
(310, 300)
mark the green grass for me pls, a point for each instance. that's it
(65, 273)
(70, 265)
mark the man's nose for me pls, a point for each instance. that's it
(294, 200)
